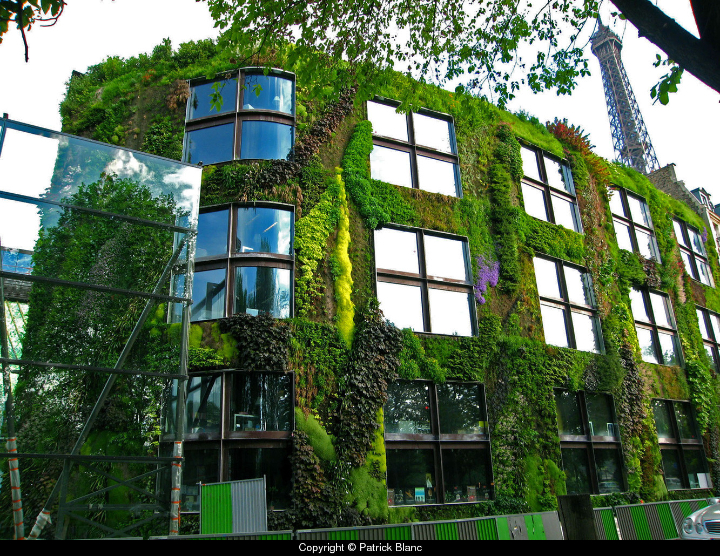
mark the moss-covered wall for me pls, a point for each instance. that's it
(335, 341)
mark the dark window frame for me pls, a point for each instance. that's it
(678, 444)
(655, 328)
(549, 190)
(712, 340)
(568, 306)
(628, 221)
(589, 442)
(424, 282)
(414, 149)
(240, 114)
(686, 246)
(227, 439)
(437, 442)
(232, 260)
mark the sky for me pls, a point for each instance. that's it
(682, 132)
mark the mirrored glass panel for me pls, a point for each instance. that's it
(396, 250)
(704, 271)
(212, 238)
(577, 286)
(450, 312)
(407, 410)
(201, 466)
(264, 230)
(679, 233)
(268, 92)
(211, 99)
(663, 424)
(208, 295)
(386, 121)
(661, 310)
(263, 140)
(391, 166)
(445, 258)
(637, 305)
(696, 242)
(210, 145)
(577, 470)
(437, 176)
(669, 349)
(601, 415)
(646, 244)
(272, 463)
(616, 204)
(401, 305)
(432, 132)
(697, 470)
(671, 469)
(703, 326)
(639, 211)
(685, 421)
(569, 415)
(263, 290)
(261, 402)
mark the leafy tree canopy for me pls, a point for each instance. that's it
(501, 44)
(25, 13)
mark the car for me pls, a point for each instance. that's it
(703, 524)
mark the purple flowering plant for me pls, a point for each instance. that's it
(704, 235)
(488, 273)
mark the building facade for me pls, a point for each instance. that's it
(397, 312)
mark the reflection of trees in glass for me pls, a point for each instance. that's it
(264, 398)
(203, 404)
(662, 419)
(568, 413)
(460, 409)
(407, 409)
(68, 325)
(685, 420)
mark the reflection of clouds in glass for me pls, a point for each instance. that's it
(27, 162)
(125, 165)
(187, 180)
(19, 224)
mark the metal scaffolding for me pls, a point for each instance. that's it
(630, 137)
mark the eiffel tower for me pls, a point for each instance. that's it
(630, 137)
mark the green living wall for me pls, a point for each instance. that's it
(341, 350)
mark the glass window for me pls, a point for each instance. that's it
(201, 466)
(265, 140)
(429, 293)
(416, 150)
(271, 463)
(269, 92)
(210, 145)
(633, 225)
(548, 190)
(261, 402)
(709, 324)
(437, 444)
(681, 446)
(257, 265)
(567, 305)
(655, 327)
(211, 99)
(256, 121)
(693, 254)
(589, 442)
(204, 405)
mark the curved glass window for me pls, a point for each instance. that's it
(255, 121)
(269, 92)
(244, 261)
(265, 140)
(210, 144)
(211, 99)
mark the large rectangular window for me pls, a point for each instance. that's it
(683, 457)
(424, 281)
(567, 305)
(437, 443)
(243, 115)
(244, 261)
(693, 253)
(239, 426)
(709, 323)
(548, 189)
(655, 327)
(414, 150)
(589, 442)
(633, 224)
